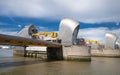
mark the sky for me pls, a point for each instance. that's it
(96, 17)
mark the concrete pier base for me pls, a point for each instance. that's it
(74, 53)
(106, 53)
(18, 53)
(54, 53)
(77, 53)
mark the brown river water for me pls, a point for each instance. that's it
(31, 66)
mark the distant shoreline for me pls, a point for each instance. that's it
(6, 53)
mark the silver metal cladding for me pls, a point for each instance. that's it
(68, 31)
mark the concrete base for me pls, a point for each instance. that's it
(106, 53)
(80, 53)
(54, 53)
(18, 53)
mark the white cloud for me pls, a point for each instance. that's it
(41, 28)
(89, 11)
(19, 26)
(97, 33)
(8, 33)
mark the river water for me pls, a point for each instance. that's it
(31, 66)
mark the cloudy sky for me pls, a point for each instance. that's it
(96, 17)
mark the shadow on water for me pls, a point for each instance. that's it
(19, 63)
(8, 60)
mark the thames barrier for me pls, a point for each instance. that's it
(40, 53)
(63, 45)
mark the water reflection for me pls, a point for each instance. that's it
(32, 66)
(18, 63)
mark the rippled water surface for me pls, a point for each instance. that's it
(32, 66)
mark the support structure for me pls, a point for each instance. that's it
(54, 53)
(77, 53)
(25, 52)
